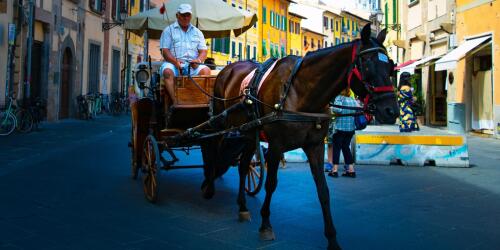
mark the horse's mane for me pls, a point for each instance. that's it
(325, 51)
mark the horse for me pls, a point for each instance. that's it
(361, 65)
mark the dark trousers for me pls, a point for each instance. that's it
(341, 141)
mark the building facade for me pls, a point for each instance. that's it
(472, 68)
(312, 40)
(428, 34)
(294, 34)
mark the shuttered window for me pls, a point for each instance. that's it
(94, 72)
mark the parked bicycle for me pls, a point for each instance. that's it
(8, 119)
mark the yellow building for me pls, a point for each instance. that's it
(332, 27)
(472, 68)
(272, 29)
(312, 40)
(135, 42)
(232, 49)
(351, 26)
(294, 34)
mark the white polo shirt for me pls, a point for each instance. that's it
(183, 45)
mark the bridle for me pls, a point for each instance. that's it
(374, 93)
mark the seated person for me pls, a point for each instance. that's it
(182, 46)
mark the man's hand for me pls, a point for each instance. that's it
(194, 63)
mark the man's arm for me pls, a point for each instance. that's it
(167, 55)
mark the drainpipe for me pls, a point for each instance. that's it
(27, 80)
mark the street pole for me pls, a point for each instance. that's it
(27, 80)
(146, 39)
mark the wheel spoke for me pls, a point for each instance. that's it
(254, 182)
(256, 173)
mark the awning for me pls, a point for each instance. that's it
(411, 68)
(411, 65)
(404, 64)
(449, 61)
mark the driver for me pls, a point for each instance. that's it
(182, 46)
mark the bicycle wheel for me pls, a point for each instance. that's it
(7, 123)
(24, 120)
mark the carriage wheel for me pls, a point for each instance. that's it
(151, 163)
(256, 172)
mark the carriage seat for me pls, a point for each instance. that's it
(188, 95)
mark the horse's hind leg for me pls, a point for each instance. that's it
(243, 168)
(209, 153)
(272, 159)
(315, 155)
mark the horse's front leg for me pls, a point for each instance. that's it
(272, 159)
(315, 155)
(243, 167)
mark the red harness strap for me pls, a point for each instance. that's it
(354, 70)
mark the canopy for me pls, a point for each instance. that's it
(213, 18)
(449, 61)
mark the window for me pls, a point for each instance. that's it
(115, 71)
(337, 25)
(331, 24)
(141, 5)
(248, 52)
(305, 41)
(284, 23)
(337, 41)
(94, 68)
(291, 51)
(283, 51)
(291, 26)
(271, 15)
(348, 24)
(264, 16)
(98, 6)
(297, 28)
(326, 44)
(312, 43)
(277, 22)
(325, 22)
(254, 52)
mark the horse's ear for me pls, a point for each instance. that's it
(381, 36)
(366, 33)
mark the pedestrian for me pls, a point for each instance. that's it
(406, 100)
(344, 131)
(183, 47)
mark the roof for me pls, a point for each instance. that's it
(314, 32)
(296, 15)
(354, 15)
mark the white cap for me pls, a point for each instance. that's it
(184, 8)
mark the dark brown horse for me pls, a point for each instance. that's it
(363, 64)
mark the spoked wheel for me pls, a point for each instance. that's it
(151, 164)
(256, 172)
(7, 123)
(24, 120)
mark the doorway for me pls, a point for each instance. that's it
(438, 95)
(482, 92)
(66, 79)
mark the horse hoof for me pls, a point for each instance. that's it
(244, 216)
(334, 246)
(267, 234)
(208, 192)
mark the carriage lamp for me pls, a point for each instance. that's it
(142, 75)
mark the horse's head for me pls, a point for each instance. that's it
(372, 70)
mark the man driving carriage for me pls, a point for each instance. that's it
(183, 47)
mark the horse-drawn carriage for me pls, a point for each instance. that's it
(159, 128)
(289, 108)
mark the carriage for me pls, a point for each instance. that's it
(157, 130)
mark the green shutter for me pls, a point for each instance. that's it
(386, 15)
(226, 40)
(264, 14)
(217, 44)
(271, 16)
(285, 22)
(394, 11)
(264, 48)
